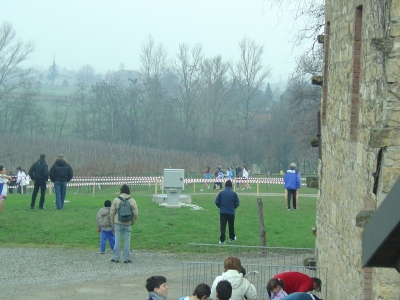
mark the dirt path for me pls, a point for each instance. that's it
(127, 287)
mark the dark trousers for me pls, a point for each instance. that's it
(223, 218)
(39, 183)
(291, 194)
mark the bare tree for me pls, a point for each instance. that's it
(12, 53)
(188, 70)
(86, 75)
(249, 74)
(152, 93)
(213, 99)
(308, 18)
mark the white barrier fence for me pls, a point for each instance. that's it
(157, 181)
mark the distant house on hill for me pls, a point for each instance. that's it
(123, 76)
(64, 80)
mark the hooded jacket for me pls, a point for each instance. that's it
(292, 179)
(114, 210)
(240, 286)
(104, 220)
(61, 171)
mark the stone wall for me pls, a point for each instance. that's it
(367, 91)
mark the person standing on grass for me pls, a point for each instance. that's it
(105, 226)
(20, 174)
(227, 201)
(246, 174)
(121, 227)
(207, 175)
(60, 173)
(292, 182)
(157, 288)
(39, 173)
(4, 179)
(201, 292)
(238, 175)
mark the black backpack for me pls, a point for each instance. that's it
(125, 213)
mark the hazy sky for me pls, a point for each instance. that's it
(106, 33)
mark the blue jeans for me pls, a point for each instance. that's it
(126, 231)
(60, 189)
(104, 236)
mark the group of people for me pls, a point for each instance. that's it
(230, 173)
(60, 174)
(232, 284)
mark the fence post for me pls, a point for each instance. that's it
(258, 189)
(261, 224)
(156, 187)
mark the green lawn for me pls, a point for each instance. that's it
(157, 228)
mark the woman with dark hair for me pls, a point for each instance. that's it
(122, 224)
(241, 287)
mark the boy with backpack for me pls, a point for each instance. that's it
(124, 214)
(105, 226)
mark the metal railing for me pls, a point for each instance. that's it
(204, 262)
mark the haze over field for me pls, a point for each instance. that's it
(105, 34)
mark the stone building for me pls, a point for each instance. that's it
(359, 140)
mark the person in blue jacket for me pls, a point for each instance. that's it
(292, 180)
(227, 201)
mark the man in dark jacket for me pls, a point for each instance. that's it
(227, 201)
(60, 173)
(39, 173)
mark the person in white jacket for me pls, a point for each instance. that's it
(240, 286)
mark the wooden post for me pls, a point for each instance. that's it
(50, 188)
(155, 187)
(258, 189)
(94, 187)
(261, 224)
(194, 187)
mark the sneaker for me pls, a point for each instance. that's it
(115, 261)
(201, 190)
(221, 243)
(288, 209)
(249, 188)
(208, 187)
(101, 252)
(230, 241)
(127, 261)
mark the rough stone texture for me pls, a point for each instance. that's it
(363, 218)
(347, 164)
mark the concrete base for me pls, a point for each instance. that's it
(162, 199)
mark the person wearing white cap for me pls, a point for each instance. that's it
(292, 181)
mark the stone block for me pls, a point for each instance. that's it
(312, 182)
(363, 218)
(317, 80)
(386, 137)
(392, 70)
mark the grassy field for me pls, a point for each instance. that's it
(157, 228)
